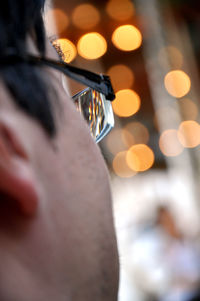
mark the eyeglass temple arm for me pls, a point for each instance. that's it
(100, 83)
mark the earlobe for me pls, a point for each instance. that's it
(16, 175)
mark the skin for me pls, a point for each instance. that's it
(56, 226)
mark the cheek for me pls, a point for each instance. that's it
(83, 167)
(78, 207)
(81, 158)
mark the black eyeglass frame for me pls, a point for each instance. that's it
(98, 82)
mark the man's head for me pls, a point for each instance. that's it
(57, 239)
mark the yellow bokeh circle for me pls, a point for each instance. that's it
(120, 166)
(177, 83)
(127, 103)
(140, 157)
(127, 38)
(189, 133)
(114, 141)
(92, 46)
(122, 77)
(169, 143)
(85, 16)
(135, 133)
(120, 9)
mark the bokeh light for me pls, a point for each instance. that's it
(120, 9)
(122, 77)
(127, 138)
(114, 141)
(67, 48)
(189, 133)
(177, 83)
(127, 103)
(174, 57)
(188, 109)
(92, 46)
(120, 166)
(56, 21)
(169, 143)
(140, 157)
(135, 133)
(127, 38)
(85, 16)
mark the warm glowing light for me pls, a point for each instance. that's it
(188, 109)
(56, 21)
(140, 157)
(135, 133)
(85, 16)
(177, 83)
(92, 46)
(169, 143)
(120, 166)
(122, 77)
(114, 141)
(68, 49)
(127, 38)
(189, 133)
(127, 138)
(120, 10)
(174, 57)
(127, 103)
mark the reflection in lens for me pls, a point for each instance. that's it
(97, 111)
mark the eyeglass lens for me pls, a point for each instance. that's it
(92, 106)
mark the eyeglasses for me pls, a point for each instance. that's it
(96, 110)
(94, 102)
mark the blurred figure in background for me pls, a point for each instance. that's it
(182, 260)
(165, 264)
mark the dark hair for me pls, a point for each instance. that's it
(18, 18)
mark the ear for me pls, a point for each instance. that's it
(16, 175)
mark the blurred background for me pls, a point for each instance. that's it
(151, 50)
